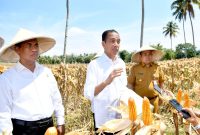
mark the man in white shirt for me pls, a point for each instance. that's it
(29, 92)
(105, 76)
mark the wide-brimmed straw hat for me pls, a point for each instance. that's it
(156, 54)
(8, 53)
(1, 42)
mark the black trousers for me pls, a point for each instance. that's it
(39, 127)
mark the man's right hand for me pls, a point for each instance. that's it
(115, 73)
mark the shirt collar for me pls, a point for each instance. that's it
(144, 65)
(109, 59)
(20, 67)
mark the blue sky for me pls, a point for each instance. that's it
(89, 18)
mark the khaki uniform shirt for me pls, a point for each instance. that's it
(141, 76)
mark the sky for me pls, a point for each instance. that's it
(89, 18)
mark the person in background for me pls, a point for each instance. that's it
(144, 72)
(29, 92)
(105, 76)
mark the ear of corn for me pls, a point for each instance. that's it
(179, 96)
(132, 109)
(51, 131)
(186, 100)
(146, 112)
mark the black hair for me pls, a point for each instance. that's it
(105, 33)
(18, 45)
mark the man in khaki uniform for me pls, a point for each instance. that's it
(144, 72)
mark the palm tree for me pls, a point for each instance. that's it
(190, 10)
(184, 7)
(179, 13)
(142, 25)
(171, 29)
(66, 30)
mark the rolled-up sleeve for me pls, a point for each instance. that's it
(57, 101)
(5, 106)
(91, 82)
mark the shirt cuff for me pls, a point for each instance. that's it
(60, 120)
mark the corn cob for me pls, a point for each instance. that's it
(146, 112)
(186, 101)
(132, 109)
(179, 96)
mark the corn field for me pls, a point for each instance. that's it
(181, 74)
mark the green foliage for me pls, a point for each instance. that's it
(171, 29)
(185, 51)
(198, 52)
(157, 46)
(182, 51)
(85, 58)
(169, 54)
(125, 56)
(49, 60)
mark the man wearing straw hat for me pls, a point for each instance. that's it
(29, 92)
(144, 72)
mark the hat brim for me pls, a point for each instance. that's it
(8, 53)
(156, 56)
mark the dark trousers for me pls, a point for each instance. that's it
(39, 127)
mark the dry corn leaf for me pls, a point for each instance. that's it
(115, 125)
(157, 128)
(122, 109)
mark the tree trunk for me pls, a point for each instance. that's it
(66, 31)
(192, 29)
(142, 25)
(171, 42)
(184, 31)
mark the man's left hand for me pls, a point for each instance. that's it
(61, 129)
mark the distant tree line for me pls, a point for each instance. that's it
(185, 50)
(82, 58)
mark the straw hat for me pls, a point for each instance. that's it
(157, 54)
(1, 42)
(8, 53)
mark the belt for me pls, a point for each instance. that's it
(38, 123)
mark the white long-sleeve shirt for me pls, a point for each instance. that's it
(29, 96)
(98, 71)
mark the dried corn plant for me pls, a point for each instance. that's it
(71, 79)
(130, 123)
(181, 74)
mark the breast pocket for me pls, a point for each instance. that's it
(140, 80)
